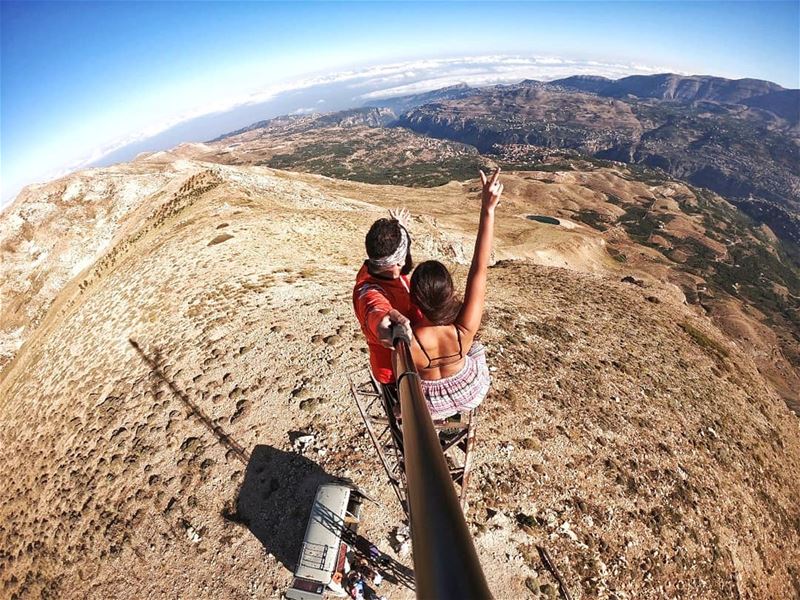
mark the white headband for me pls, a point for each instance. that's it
(398, 257)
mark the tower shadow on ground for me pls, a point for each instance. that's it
(275, 500)
(155, 362)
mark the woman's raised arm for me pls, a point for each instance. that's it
(471, 313)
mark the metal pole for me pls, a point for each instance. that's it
(446, 565)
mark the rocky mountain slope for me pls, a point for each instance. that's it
(755, 93)
(668, 86)
(53, 231)
(720, 259)
(737, 138)
(149, 420)
(352, 144)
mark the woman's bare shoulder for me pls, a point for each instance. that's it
(466, 335)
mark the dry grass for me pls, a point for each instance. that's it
(703, 340)
(604, 426)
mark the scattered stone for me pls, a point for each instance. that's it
(566, 529)
(192, 533)
(301, 393)
(524, 520)
(324, 311)
(533, 585)
(170, 505)
(531, 444)
(191, 445)
(401, 540)
(549, 590)
(302, 442)
(632, 280)
(402, 533)
(310, 404)
(550, 519)
(499, 520)
(333, 339)
(223, 237)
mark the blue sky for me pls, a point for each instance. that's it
(78, 79)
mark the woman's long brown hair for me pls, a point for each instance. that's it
(432, 291)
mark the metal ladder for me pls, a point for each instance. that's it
(456, 434)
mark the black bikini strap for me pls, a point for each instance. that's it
(423, 349)
(457, 357)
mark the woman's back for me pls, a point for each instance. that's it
(453, 380)
(450, 325)
(440, 350)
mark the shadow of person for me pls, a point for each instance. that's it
(391, 570)
(275, 500)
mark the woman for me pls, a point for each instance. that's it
(453, 379)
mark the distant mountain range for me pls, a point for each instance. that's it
(678, 87)
(695, 88)
(737, 138)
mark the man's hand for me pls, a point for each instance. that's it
(492, 190)
(390, 320)
(400, 214)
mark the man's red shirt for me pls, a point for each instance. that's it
(373, 297)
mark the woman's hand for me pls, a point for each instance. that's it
(475, 294)
(492, 189)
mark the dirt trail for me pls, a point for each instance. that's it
(148, 424)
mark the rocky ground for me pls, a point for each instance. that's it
(742, 275)
(150, 420)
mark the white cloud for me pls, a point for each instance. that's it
(380, 81)
(431, 74)
(508, 70)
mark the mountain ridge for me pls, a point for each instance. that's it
(750, 156)
(669, 86)
(225, 298)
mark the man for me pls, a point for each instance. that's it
(381, 296)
